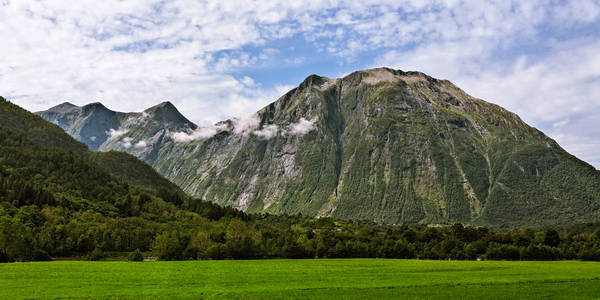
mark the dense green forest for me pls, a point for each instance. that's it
(38, 232)
(59, 200)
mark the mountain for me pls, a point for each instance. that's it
(57, 198)
(38, 132)
(380, 144)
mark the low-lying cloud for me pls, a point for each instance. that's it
(198, 134)
(126, 142)
(267, 132)
(245, 126)
(112, 133)
(303, 126)
(141, 144)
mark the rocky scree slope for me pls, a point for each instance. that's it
(381, 145)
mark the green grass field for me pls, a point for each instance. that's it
(323, 278)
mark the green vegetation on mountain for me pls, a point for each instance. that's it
(37, 130)
(131, 170)
(380, 145)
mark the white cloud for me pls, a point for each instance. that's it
(120, 57)
(246, 125)
(248, 81)
(267, 132)
(112, 133)
(199, 133)
(126, 142)
(141, 144)
(302, 127)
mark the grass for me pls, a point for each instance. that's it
(323, 278)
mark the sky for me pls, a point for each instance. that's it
(220, 59)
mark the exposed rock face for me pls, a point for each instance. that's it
(380, 144)
(141, 134)
(88, 124)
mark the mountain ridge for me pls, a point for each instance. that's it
(98, 126)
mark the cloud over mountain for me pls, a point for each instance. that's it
(220, 60)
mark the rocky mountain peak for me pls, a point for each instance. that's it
(64, 108)
(383, 74)
(65, 104)
(95, 108)
(166, 112)
(165, 105)
(320, 82)
(95, 105)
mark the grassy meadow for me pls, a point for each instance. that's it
(322, 278)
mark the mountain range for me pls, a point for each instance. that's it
(382, 145)
(31, 131)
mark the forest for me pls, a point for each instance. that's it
(31, 229)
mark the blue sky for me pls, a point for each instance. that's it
(220, 59)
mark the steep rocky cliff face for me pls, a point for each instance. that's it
(380, 144)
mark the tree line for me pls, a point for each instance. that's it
(31, 232)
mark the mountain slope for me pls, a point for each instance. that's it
(36, 128)
(387, 146)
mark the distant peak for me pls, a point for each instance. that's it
(167, 112)
(64, 107)
(66, 104)
(163, 105)
(382, 70)
(320, 81)
(95, 105)
(374, 76)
